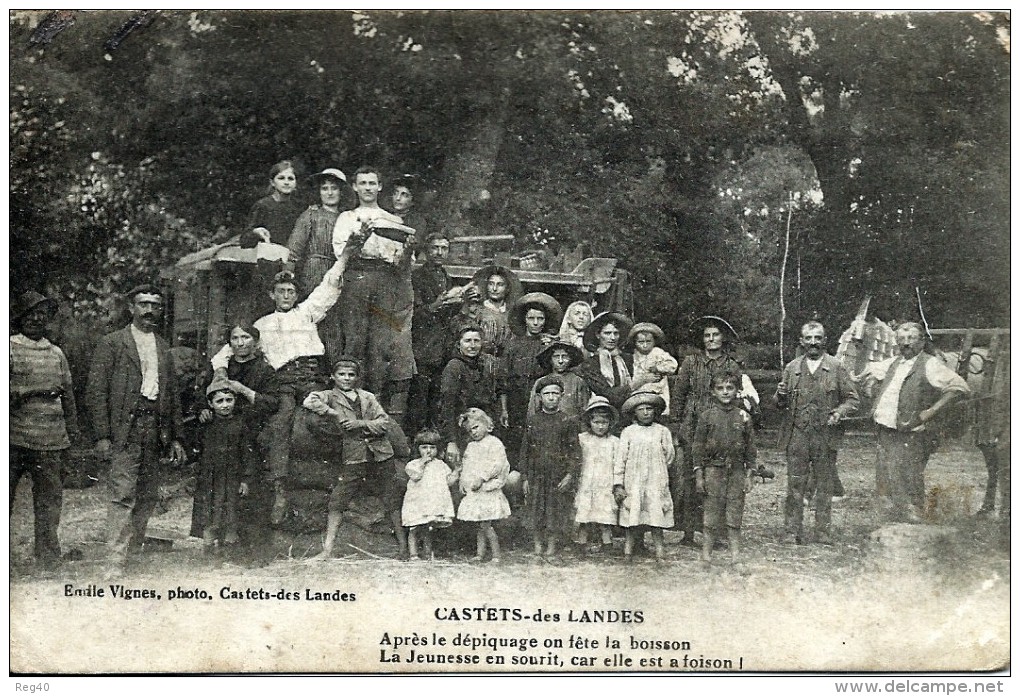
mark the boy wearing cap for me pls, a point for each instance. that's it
(43, 418)
(550, 462)
(228, 463)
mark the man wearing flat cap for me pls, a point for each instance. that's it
(135, 413)
(43, 418)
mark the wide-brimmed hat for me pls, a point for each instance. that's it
(513, 283)
(642, 397)
(698, 328)
(545, 357)
(29, 301)
(331, 172)
(591, 333)
(646, 327)
(597, 402)
(547, 303)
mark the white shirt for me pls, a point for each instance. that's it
(812, 365)
(147, 356)
(935, 371)
(376, 246)
(294, 333)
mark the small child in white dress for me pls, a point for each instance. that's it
(651, 363)
(428, 504)
(594, 503)
(482, 477)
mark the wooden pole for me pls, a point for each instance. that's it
(782, 279)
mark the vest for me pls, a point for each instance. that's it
(916, 394)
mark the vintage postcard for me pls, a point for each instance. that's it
(382, 342)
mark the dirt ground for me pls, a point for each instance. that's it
(864, 603)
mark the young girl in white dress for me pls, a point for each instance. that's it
(484, 472)
(428, 504)
(594, 503)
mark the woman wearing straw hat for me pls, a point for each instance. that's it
(609, 372)
(529, 317)
(561, 358)
(692, 394)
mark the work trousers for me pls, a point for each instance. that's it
(902, 458)
(47, 494)
(808, 457)
(134, 487)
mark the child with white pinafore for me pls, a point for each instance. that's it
(594, 503)
(428, 504)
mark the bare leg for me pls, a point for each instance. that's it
(550, 544)
(734, 537)
(584, 534)
(490, 534)
(607, 535)
(659, 544)
(707, 539)
(628, 543)
(333, 520)
(399, 532)
(538, 543)
(412, 543)
(480, 542)
(429, 553)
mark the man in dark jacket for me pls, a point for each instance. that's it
(817, 394)
(135, 411)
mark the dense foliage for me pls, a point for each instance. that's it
(682, 142)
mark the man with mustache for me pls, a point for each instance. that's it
(816, 393)
(135, 411)
(915, 388)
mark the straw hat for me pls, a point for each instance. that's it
(698, 328)
(545, 357)
(597, 402)
(547, 303)
(591, 334)
(646, 327)
(330, 172)
(642, 397)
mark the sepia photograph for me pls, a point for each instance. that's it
(374, 342)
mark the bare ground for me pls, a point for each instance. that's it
(856, 605)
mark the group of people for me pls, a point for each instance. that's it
(572, 422)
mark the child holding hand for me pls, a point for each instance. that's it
(428, 504)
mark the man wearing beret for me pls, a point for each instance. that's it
(135, 413)
(43, 418)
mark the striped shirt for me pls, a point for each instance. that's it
(38, 422)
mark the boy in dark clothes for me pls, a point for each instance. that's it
(724, 460)
(550, 463)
